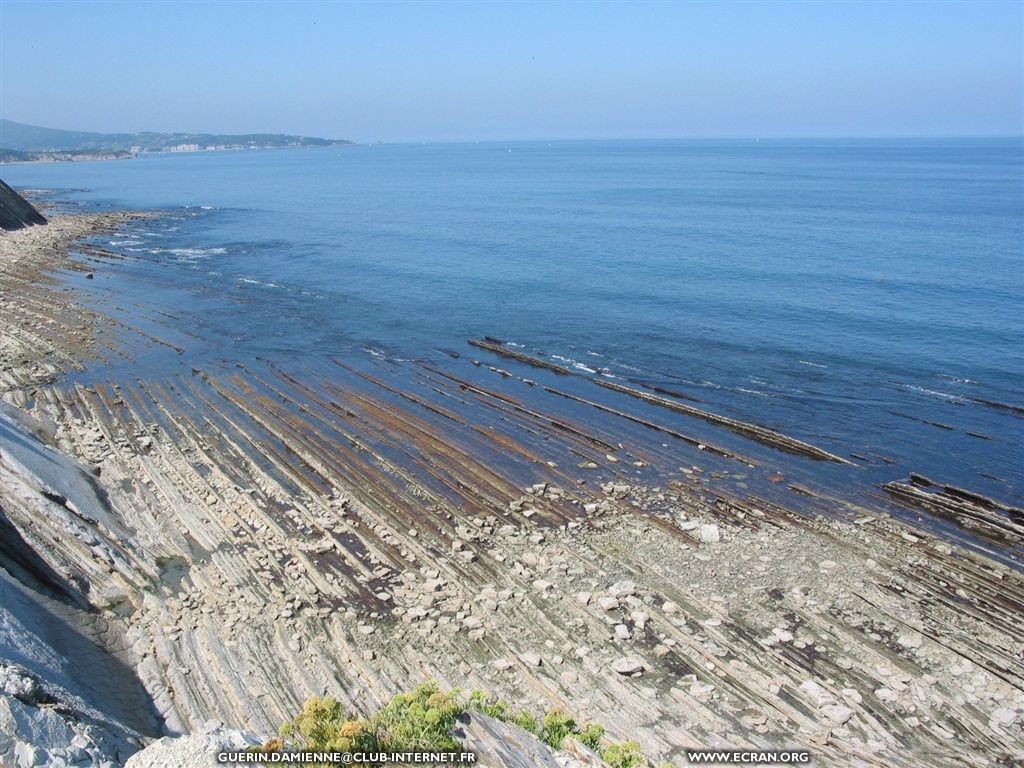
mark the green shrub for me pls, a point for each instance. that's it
(526, 721)
(423, 720)
(625, 755)
(556, 727)
(481, 701)
(323, 726)
(591, 736)
(499, 711)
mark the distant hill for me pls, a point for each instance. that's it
(21, 138)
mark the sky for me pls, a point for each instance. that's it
(486, 71)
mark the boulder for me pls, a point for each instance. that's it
(628, 666)
(193, 751)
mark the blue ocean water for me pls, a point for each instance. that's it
(865, 295)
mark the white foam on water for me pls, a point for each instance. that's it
(932, 392)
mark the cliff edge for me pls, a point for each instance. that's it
(15, 211)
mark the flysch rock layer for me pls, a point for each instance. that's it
(272, 535)
(15, 211)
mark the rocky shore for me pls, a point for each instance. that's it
(236, 540)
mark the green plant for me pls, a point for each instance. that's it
(323, 726)
(481, 701)
(557, 725)
(526, 721)
(552, 730)
(626, 755)
(591, 736)
(422, 719)
(499, 711)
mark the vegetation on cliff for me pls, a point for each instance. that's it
(424, 719)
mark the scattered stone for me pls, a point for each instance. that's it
(1003, 717)
(628, 666)
(753, 717)
(817, 694)
(837, 713)
(709, 534)
(910, 640)
(622, 589)
(608, 603)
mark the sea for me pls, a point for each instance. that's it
(866, 296)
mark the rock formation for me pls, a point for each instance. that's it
(15, 211)
(258, 536)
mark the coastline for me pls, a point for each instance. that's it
(270, 534)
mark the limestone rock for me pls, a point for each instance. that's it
(628, 666)
(193, 751)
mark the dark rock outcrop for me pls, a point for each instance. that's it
(15, 211)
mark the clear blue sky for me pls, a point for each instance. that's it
(453, 71)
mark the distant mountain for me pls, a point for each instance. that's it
(19, 137)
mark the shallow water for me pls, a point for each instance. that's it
(862, 295)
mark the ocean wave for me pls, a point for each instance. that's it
(190, 253)
(582, 367)
(753, 392)
(252, 281)
(813, 365)
(948, 396)
(957, 379)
